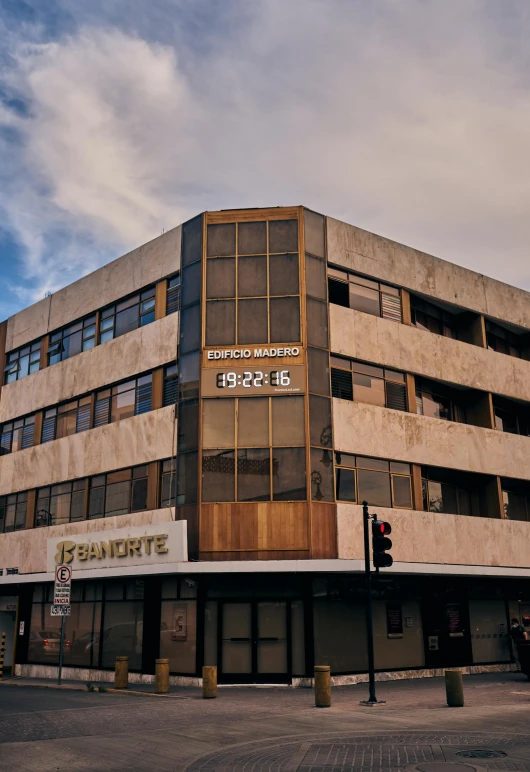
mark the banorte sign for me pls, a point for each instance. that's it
(113, 548)
(140, 545)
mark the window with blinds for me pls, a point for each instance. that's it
(173, 295)
(362, 294)
(17, 435)
(361, 382)
(170, 385)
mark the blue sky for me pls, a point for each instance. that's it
(121, 118)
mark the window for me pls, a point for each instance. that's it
(22, 362)
(515, 504)
(118, 493)
(173, 295)
(17, 435)
(127, 315)
(438, 401)
(379, 482)
(252, 296)
(502, 340)
(58, 504)
(374, 385)
(248, 449)
(168, 483)
(170, 385)
(428, 316)
(13, 512)
(123, 400)
(371, 297)
(72, 340)
(512, 417)
(445, 496)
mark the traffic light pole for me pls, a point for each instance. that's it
(372, 699)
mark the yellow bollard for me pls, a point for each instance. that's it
(209, 682)
(322, 686)
(2, 652)
(162, 676)
(121, 673)
(454, 688)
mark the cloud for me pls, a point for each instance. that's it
(408, 119)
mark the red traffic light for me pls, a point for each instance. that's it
(380, 544)
(381, 528)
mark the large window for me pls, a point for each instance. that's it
(118, 493)
(13, 510)
(127, 315)
(502, 340)
(511, 416)
(92, 638)
(374, 385)
(428, 316)
(22, 362)
(371, 297)
(123, 400)
(443, 492)
(379, 482)
(515, 501)
(436, 400)
(253, 449)
(71, 340)
(252, 283)
(17, 435)
(59, 504)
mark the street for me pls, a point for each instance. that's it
(250, 729)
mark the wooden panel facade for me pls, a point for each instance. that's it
(254, 527)
(323, 530)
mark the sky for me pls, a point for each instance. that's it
(122, 118)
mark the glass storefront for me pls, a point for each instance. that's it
(271, 628)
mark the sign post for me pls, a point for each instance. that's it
(61, 605)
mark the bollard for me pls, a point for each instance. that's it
(2, 652)
(162, 676)
(454, 688)
(121, 673)
(209, 682)
(322, 686)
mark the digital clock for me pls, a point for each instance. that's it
(230, 380)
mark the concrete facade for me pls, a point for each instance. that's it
(455, 575)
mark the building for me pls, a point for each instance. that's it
(215, 518)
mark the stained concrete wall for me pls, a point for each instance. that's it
(135, 352)
(417, 271)
(144, 265)
(26, 550)
(377, 431)
(384, 342)
(427, 537)
(137, 440)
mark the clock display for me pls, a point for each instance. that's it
(248, 379)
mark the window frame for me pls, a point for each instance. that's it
(385, 292)
(14, 358)
(355, 469)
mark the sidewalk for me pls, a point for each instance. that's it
(98, 686)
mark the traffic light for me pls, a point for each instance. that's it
(381, 544)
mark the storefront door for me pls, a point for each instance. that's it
(254, 645)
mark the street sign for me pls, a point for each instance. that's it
(63, 585)
(60, 611)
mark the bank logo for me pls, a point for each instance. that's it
(65, 552)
